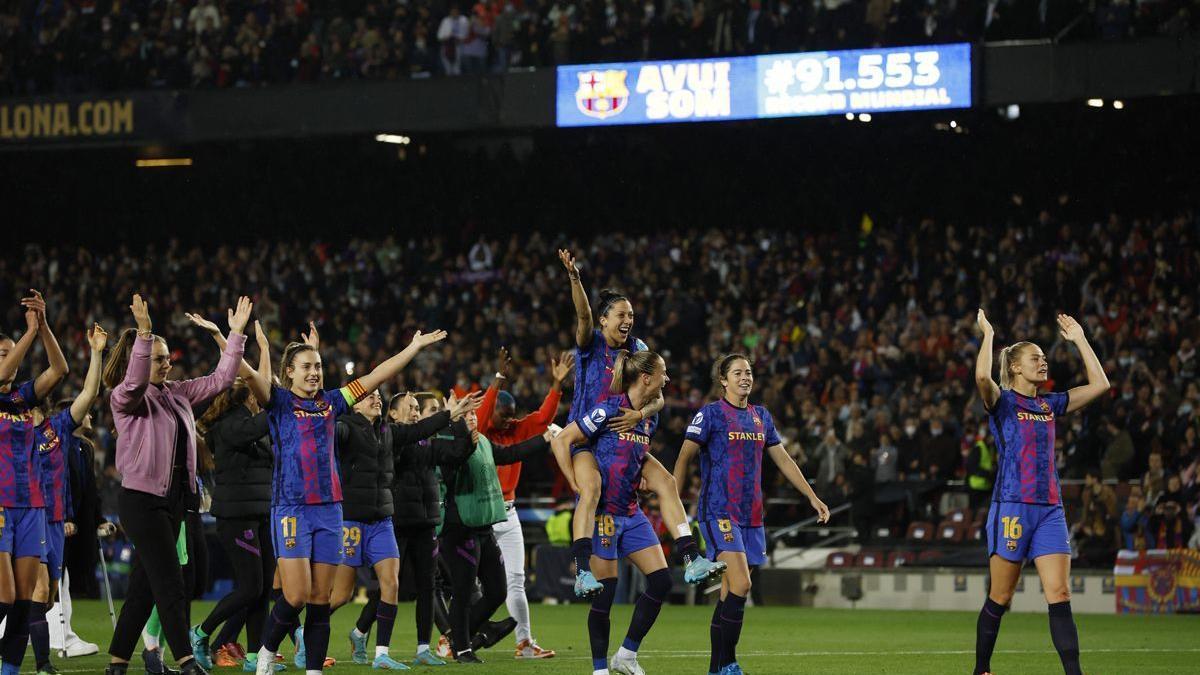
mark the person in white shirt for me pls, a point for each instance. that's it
(452, 32)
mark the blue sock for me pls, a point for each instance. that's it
(733, 609)
(581, 549)
(16, 636)
(658, 585)
(385, 619)
(39, 633)
(1065, 636)
(279, 622)
(316, 636)
(599, 623)
(714, 639)
(986, 630)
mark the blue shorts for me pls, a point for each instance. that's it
(725, 536)
(312, 531)
(56, 538)
(621, 536)
(368, 543)
(1019, 532)
(23, 532)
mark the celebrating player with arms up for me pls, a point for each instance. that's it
(731, 434)
(1026, 520)
(306, 511)
(621, 528)
(595, 368)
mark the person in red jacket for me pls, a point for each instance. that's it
(498, 421)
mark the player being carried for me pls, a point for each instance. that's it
(596, 351)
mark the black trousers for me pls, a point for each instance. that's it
(472, 553)
(155, 579)
(247, 544)
(195, 572)
(419, 546)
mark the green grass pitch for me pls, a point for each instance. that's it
(781, 640)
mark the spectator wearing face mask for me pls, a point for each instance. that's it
(938, 451)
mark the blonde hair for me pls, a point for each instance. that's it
(627, 366)
(1009, 356)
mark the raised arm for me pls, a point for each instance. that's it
(12, 361)
(561, 447)
(989, 391)
(57, 363)
(583, 309)
(201, 389)
(1097, 384)
(407, 434)
(390, 368)
(97, 338)
(127, 395)
(214, 330)
(789, 469)
(488, 405)
(259, 380)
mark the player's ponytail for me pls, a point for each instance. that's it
(626, 368)
(118, 358)
(1009, 356)
(289, 355)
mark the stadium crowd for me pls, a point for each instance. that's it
(863, 341)
(105, 45)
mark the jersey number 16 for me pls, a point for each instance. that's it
(1012, 528)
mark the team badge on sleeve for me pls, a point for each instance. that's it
(694, 427)
(594, 420)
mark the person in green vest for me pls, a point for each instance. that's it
(558, 526)
(473, 503)
(981, 472)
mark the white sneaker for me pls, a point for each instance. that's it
(78, 647)
(266, 662)
(624, 666)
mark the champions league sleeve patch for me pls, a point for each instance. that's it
(594, 420)
(694, 427)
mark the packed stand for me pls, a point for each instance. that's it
(864, 343)
(70, 47)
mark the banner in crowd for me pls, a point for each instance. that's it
(1158, 581)
(766, 86)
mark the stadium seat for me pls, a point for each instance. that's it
(926, 557)
(959, 515)
(920, 530)
(900, 558)
(839, 559)
(980, 516)
(950, 532)
(869, 559)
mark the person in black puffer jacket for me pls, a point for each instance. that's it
(235, 429)
(367, 447)
(416, 495)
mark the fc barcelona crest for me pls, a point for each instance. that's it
(602, 93)
(289, 542)
(1044, 406)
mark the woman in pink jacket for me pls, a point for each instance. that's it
(156, 457)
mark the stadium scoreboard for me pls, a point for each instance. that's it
(766, 86)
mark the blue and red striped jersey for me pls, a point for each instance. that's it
(20, 484)
(56, 442)
(731, 441)
(1023, 427)
(620, 456)
(594, 372)
(303, 431)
